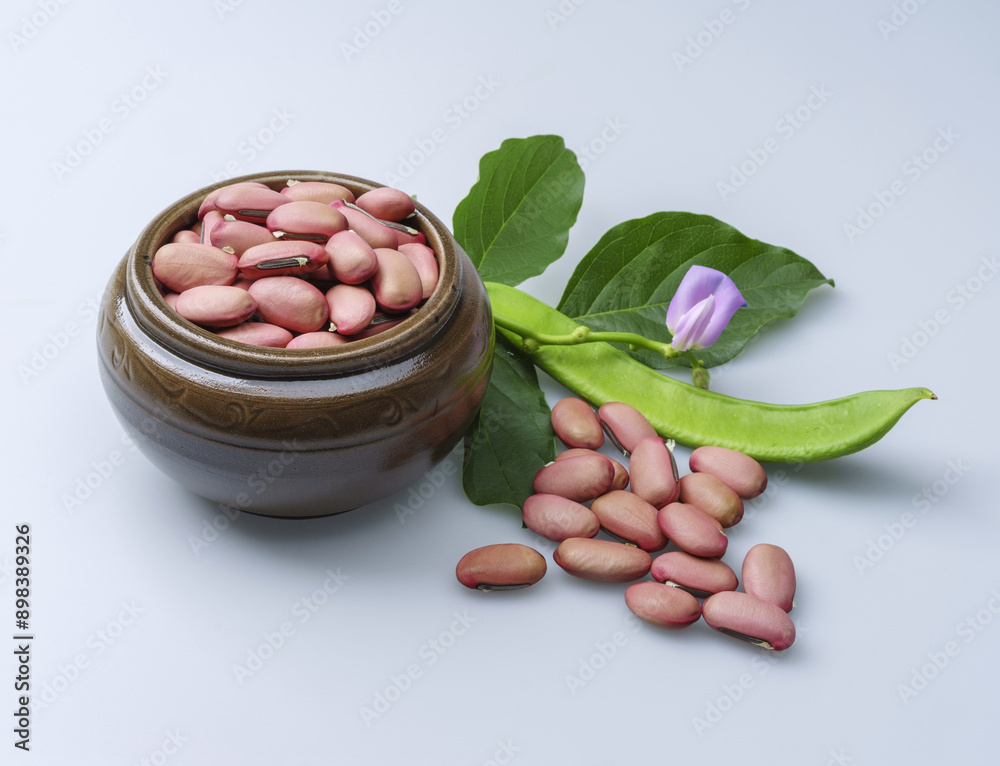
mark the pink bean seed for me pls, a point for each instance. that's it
(352, 308)
(209, 202)
(692, 530)
(258, 334)
(386, 203)
(580, 478)
(186, 236)
(211, 219)
(651, 472)
(371, 231)
(249, 203)
(215, 305)
(699, 576)
(741, 472)
(627, 516)
(280, 258)
(317, 191)
(558, 518)
(742, 616)
(662, 605)
(239, 236)
(352, 260)
(182, 265)
(290, 302)
(426, 264)
(396, 283)
(576, 424)
(312, 221)
(625, 423)
(317, 340)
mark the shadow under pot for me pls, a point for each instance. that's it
(294, 433)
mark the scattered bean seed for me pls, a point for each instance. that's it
(768, 574)
(651, 472)
(505, 566)
(627, 516)
(742, 616)
(662, 605)
(602, 560)
(558, 518)
(740, 472)
(576, 424)
(579, 478)
(692, 530)
(713, 496)
(625, 425)
(700, 577)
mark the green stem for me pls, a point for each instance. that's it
(533, 339)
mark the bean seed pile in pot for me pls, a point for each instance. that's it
(690, 581)
(307, 267)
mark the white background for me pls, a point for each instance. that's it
(140, 628)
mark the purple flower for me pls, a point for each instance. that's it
(701, 308)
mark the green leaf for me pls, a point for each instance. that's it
(512, 437)
(626, 281)
(516, 218)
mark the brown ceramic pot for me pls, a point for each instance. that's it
(294, 433)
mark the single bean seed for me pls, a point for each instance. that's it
(700, 577)
(396, 283)
(183, 265)
(505, 566)
(424, 261)
(258, 334)
(557, 518)
(318, 339)
(211, 220)
(651, 472)
(352, 308)
(387, 203)
(736, 470)
(621, 479)
(627, 516)
(279, 258)
(352, 260)
(249, 203)
(580, 478)
(396, 226)
(291, 303)
(713, 496)
(209, 202)
(215, 305)
(768, 574)
(694, 416)
(239, 236)
(370, 230)
(186, 236)
(602, 560)
(317, 191)
(742, 616)
(576, 424)
(624, 424)
(312, 221)
(692, 530)
(662, 605)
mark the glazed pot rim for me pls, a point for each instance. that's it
(202, 347)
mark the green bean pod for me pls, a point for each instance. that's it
(783, 433)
